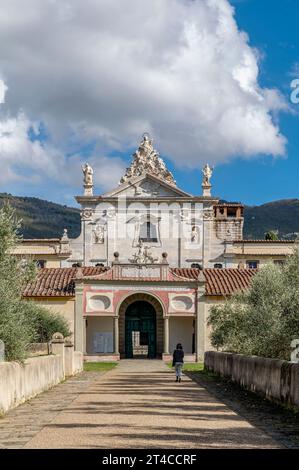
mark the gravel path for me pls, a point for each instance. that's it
(19, 425)
(280, 423)
(136, 405)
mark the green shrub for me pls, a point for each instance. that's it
(46, 323)
(21, 322)
(263, 320)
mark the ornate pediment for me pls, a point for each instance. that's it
(147, 160)
(146, 186)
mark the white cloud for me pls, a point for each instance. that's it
(23, 159)
(108, 71)
(3, 89)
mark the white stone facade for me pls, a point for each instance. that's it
(148, 207)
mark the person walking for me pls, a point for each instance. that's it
(178, 361)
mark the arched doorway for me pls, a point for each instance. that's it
(148, 312)
(140, 330)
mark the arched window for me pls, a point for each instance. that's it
(148, 232)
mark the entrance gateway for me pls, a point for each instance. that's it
(140, 330)
(139, 319)
(141, 326)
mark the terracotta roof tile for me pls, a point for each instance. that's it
(189, 273)
(59, 282)
(268, 242)
(227, 281)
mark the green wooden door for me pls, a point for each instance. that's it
(141, 317)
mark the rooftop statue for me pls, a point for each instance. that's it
(207, 175)
(143, 255)
(87, 179)
(146, 160)
(88, 174)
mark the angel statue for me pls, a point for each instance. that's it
(207, 174)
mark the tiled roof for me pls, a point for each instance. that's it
(229, 204)
(247, 251)
(268, 242)
(59, 282)
(189, 273)
(227, 281)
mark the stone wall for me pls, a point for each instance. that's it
(78, 362)
(275, 379)
(20, 382)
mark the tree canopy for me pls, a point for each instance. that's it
(264, 319)
(21, 321)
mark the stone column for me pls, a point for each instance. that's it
(78, 323)
(57, 345)
(84, 336)
(69, 358)
(200, 323)
(166, 335)
(208, 217)
(116, 335)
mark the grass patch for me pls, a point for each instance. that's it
(98, 366)
(206, 374)
(193, 367)
(190, 366)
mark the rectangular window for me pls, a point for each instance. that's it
(279, 262)
(231, 212)
(41, 263)
(148, 232)
(252, 264)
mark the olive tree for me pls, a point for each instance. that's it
(265, 318)
(21, 321)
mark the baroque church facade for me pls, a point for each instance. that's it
(148, 265)
(148, 215)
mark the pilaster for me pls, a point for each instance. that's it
(78, 323)
(200, 323)
(116, 335)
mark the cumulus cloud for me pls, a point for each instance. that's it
(24, 156)
(105, 72)
(3, 89)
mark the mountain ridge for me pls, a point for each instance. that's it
(43, 219)
(46, 219)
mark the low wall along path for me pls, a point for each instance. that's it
(20, 382)
(275, 379)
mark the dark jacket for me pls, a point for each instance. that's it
(178, 356)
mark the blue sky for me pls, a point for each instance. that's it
(111, 73)
(272, 26)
